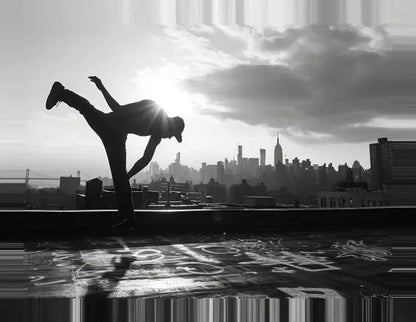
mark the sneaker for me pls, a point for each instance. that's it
(55, 95)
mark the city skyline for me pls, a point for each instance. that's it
(326, 89)
(390, 181)
(262, 153)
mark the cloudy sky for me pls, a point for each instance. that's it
(330, 76)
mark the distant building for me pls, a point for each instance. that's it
(240, 154)
(262, 157)
(393, 169)
(213, 189)
(354, 197)
(163, 185)
(220, 172)
(283, 196)
(141, 198)
(252, 166)
(180, 172)
(278, 154)
(260, 201)
(154, 170)
(393, 162)
(13, 196)
(306, 164)
(238, 192)
(357, 171)
(69, 185)
(93, 193)
(208, 171)
(345, 173)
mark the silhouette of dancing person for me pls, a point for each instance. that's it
(143, 118)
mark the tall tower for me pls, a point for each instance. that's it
(262, 157)
(240, 154)
(220, 172)
(278, 154)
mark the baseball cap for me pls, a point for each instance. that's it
(179, 126)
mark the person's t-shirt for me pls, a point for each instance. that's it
(142, 118)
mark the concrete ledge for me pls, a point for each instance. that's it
(30, 223)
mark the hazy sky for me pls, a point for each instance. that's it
(329, 91)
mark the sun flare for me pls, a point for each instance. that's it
(174, 100)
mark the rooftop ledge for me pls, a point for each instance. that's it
(30, 223)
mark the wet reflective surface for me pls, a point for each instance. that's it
(337, 264)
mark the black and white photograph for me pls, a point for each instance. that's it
(208, 160)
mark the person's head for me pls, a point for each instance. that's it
(176, 129)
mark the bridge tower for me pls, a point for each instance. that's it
(27, 176)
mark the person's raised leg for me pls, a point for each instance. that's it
(94, 117)
(59, 93)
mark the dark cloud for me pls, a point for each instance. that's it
(330, 80)
(340, 37)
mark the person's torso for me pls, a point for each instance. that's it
(142, 118)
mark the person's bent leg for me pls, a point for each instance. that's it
(116, 153)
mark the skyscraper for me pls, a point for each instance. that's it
(154, 170)
(262, 157)
(220, 172)
(357, 171)
(240, 154)
(278, 154)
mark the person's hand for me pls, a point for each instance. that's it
(96, 81)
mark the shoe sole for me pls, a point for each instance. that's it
(51, 101)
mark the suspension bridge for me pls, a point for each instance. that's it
(30, 175)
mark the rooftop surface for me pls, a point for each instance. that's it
(331, 264)
(295, 265)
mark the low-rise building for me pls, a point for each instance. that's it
(13, 195)
(355, 197)
(259, 201)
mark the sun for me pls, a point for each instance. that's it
(165, 91)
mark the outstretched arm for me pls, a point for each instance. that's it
(112, 103)
(146, 158)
